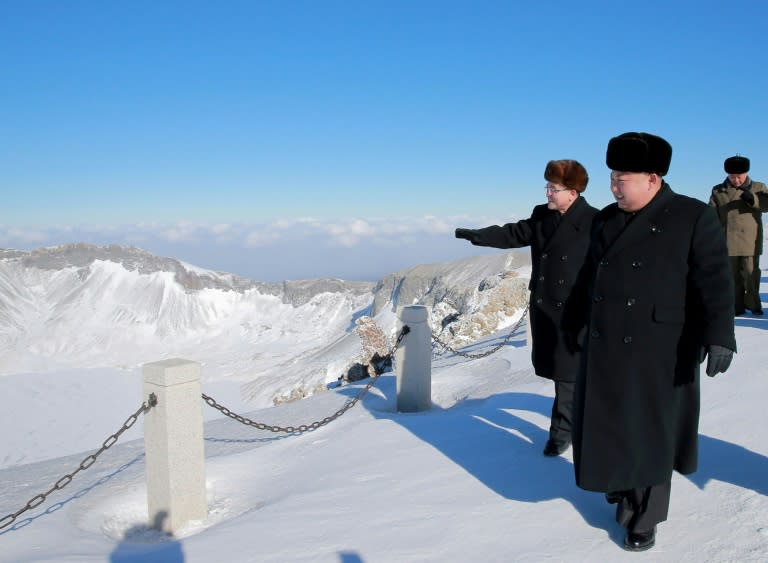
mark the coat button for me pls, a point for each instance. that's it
(627, 339)
(564, 258)
(597, 298)
(539, 301)
(558, 304)
(541, 278)
(603, 262)
(637, 264)
(560, 282)
(595, 334)
(544, 255)
(630, 301)
(655, 229)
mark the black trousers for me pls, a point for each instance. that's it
(746, 282)
(562, 412)
(639, 510)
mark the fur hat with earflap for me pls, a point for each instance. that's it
(639, 152)
(736, 165)
(568, 173)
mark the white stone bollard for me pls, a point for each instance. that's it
(528, 332)
(173, 440)
(413, 361)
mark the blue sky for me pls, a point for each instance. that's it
(282, 139)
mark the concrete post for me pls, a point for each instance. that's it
(413, 361)
(528, 333)
(173, 440)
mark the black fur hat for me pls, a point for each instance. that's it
(736, 165)
(639, 152)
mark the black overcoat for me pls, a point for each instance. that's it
(558, 246)
(650, 296)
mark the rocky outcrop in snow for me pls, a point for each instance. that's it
(468, 299)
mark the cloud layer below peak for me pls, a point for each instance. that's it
(298, 248)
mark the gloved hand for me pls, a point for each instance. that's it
(747, 196)
(719, 358)
(468, 234)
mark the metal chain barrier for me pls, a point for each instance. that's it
(488, 352)
(152, 401)
(315, 425)
(85, 464)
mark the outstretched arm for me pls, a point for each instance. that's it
(511, 235)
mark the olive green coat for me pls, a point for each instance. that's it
(742, 223)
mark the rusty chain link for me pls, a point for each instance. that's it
(305, 427)
(35, 501)
(487, 352)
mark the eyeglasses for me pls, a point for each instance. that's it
(550, 190)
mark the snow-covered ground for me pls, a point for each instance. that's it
(465, 481)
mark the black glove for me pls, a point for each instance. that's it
(719, 358)
(747, 196)
(468, 234)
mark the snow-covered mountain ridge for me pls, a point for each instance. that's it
(81, 256)
(83, 306)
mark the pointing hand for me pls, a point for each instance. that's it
(468, 234)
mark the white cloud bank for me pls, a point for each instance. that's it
(349, 248)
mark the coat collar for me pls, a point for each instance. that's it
(575, 213)
(649, 222)
(570, 222)
(726, 185)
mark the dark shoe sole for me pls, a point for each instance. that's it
(640, 542)
(639, 547)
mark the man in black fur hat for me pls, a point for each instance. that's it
(653, 299)
(740, 203)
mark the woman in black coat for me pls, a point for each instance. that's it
(558, 234)
(654, 297)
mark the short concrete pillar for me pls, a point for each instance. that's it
(528, 331)
(413, 361)
(173, 440)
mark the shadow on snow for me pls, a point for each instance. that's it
(503, 450)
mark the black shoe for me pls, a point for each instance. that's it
(613, 498)
(739, 312)
(554, 448)
(640, 541)
(757, 312)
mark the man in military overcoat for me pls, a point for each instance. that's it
(740, 203)
(558, 235)
(654, 297)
